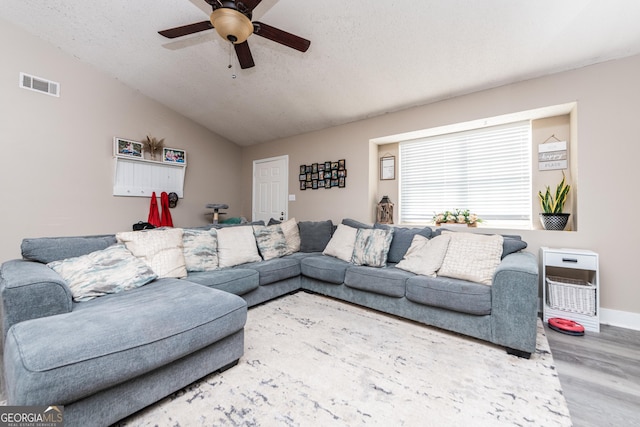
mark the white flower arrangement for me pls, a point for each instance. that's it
(457, 216)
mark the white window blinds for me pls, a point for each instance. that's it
(487, 171)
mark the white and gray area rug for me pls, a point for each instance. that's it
(313, 361)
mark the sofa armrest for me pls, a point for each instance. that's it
(514, 302)
(31, 290)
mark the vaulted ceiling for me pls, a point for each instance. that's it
(367, 57)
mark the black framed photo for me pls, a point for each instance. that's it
(327, 166)
(314, 168)
(341, 164)
(303, 169)
(308, 176)
(334, 182)
(303, 185)
(320, 167)
(334, 174)
(334, 166)
(314, 184)
(302, 177)
(308, 169)
(327, 174)
(327, 184)
(342, 173)
(314, 176)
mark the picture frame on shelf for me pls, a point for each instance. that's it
(127, 148)
(174, 155)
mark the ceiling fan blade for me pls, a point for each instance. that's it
(172, 33)
(280, 36)
(244, 55)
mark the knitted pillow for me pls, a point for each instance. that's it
(473, 257)
(161, 249)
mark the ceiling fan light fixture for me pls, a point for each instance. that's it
(231, 25)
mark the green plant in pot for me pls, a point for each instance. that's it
(552, 217)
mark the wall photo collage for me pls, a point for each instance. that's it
(323, 175)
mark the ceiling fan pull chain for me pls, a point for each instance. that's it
(230, 66)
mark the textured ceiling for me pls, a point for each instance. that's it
(367, 57)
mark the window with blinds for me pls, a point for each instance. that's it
(486, 170)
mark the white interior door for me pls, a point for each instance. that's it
(270, 189)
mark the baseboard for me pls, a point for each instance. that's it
(622, 319)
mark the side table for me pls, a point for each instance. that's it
(576, 265)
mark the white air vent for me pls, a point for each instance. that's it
(39, 84)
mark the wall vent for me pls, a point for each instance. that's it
(39, 84)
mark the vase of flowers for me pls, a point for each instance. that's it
(552, 217)
(457, 216)
(153, 146)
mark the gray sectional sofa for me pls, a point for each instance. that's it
(106, 358)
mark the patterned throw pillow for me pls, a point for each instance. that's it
(425, 256)
(473, 257)
(292, 235)
(372, 247)
(103, 272)
(271, 241)
(161, 249)
(341, 244)
(237, 245)
(200, 249)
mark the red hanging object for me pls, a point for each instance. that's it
(154, 215)
(166, 220)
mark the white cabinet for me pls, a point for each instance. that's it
(138, 177)
(571, 266)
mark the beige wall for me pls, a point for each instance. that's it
(57, 168)
(604, 128)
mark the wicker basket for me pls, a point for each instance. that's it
(576, 296)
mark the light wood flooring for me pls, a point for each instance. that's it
(600, 375)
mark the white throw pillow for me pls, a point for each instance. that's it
(271, 241)
(200, 249)
(372, 246)
(472, 257)
(103, 272)
(237, 245)
(342, 242)
(292, 235)
(161, 249)
(425, 256)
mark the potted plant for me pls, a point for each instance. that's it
(552, 217)
(457, 216)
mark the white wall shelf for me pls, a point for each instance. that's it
(574, 264)
(140, 178)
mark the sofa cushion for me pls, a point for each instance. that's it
(326, 268)
(402, 238)
(275, 269)
(384, 281)
(371, 247)
(103, 342)
(451, 294)
(342, 242)
(99, 273)
(314, 235)
(236, 245)
(161, 249)
(238, 281)
(270, 241)
(49, 249)
(473, 257)
(425, 256)
(355, 224)
(200, 249)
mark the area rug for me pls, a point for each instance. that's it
(314, 361)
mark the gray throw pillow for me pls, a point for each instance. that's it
(356, 224)
(314, 235)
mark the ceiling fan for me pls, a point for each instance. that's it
(232, 21)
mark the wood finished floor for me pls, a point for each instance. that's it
(600, 375)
